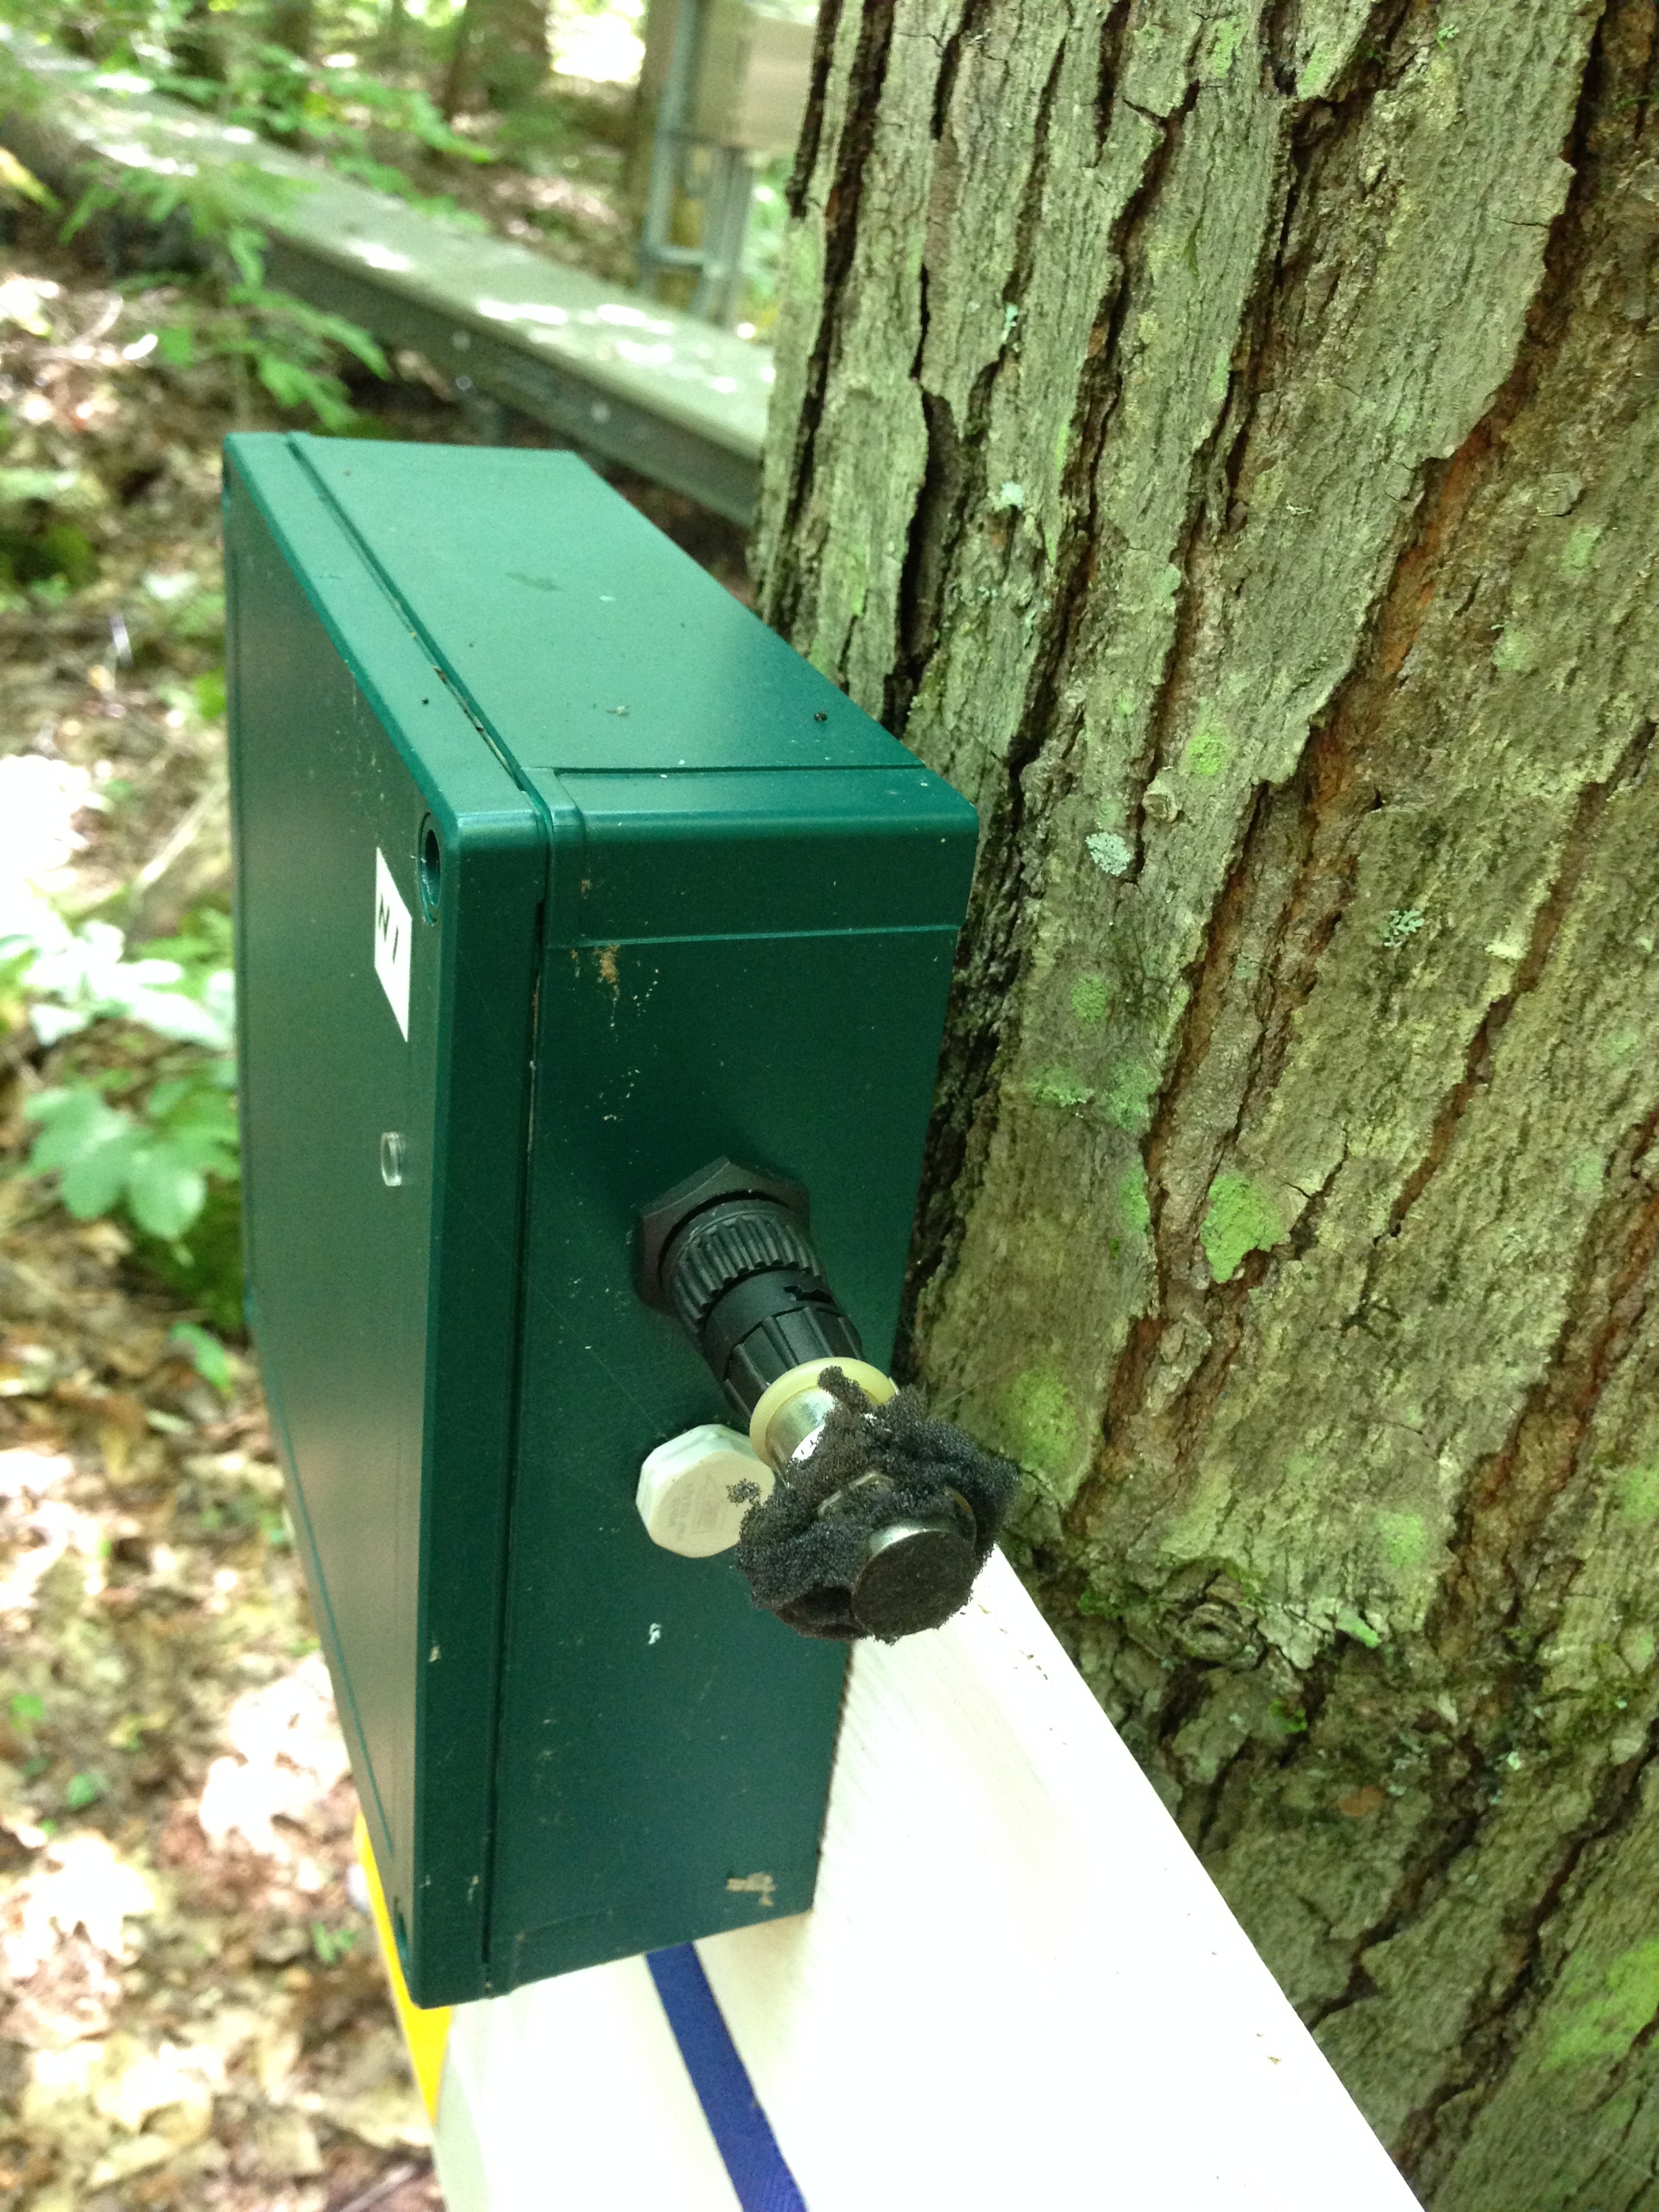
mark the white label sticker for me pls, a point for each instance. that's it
(392, 942)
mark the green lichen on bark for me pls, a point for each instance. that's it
(1294, 1192)
(1241, 1219)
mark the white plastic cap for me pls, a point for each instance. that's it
(685, 1489)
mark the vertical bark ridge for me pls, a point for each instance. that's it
(841, 198)
(1546, 925)
(825, 31)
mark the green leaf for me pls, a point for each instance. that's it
(48, 1107)
(176, 346)
(380, 176)
(204, 91)
(26, 1710)
(202, 1146)
(85, 1790)
(207, 1273)
(204, 940)
(291, 385)
(298, 317)
(247, 249)
(164, 1191)
(63, 551)
(14, 178)
(98, 195)
(353, 340)
(18, 486)
(77, 1126)
(209, 693)
(209, 1356)
(172, 1093)
(94, 1183)
(331, 1944)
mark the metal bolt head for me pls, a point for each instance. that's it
(684, 1494)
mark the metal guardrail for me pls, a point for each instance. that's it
(636, 382)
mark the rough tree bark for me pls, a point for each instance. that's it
(1220, 434)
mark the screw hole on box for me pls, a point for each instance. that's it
(430, 868)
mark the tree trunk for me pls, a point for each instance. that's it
(501, 57)
(1222, 439)
(292, 23)
(199, 43)
(393, 38)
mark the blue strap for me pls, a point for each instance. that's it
(740, 2128)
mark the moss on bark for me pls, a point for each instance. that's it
(1223, 441)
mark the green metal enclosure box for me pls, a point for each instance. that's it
(558, 875)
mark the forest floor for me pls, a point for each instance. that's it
(192, 2009)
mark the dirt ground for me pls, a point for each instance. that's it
(192, 2012)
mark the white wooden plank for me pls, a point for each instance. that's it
(570, 2096)
(1018, 1986)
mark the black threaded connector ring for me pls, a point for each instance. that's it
(726, 1244)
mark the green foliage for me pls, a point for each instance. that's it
(225, 203)
(154, 1163)
(762, 249)
(209, 695)
(360, 124)
(204, 948)
(77, 976)
(55, 559)
(290, 347)
(14, 178)
(42, 543)
(85, 1790)
(331, 1944)
(205, 1267)
(209, 1356)
(337, 112)
(163, 1150)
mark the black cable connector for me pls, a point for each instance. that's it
(880, 1516)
